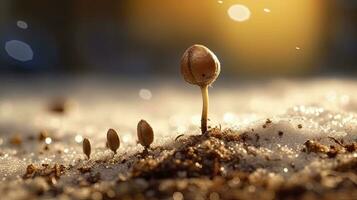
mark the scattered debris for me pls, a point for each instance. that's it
(280, 133)
(42, 135)
(84, 170)
(315, 147)
(16, 140)
(60, 105)
(45, 170)
(208, 164)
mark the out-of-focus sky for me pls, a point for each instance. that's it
(253, 39)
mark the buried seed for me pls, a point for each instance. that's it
(145, 133)
(113, 140)
(86, 147)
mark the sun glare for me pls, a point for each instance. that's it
(239, 13)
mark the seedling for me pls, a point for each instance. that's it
(113, 140)
(86, 147)
(145, 133)
(199, 66)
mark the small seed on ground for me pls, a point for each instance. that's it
(86, 147)
(113, 140)
(145, 133)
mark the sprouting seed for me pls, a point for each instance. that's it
(113, 140)
(86, 147)
(145, 133)
(200, 66)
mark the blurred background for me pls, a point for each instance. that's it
(253, 39)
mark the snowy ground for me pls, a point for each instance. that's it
(299, 110)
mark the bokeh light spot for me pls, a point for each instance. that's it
(22, 24)
(177, 196)
(48, 140)
(78, 138)
(267, 10)
(239, 12)
(19, 50)
(229, 117)
(145, 94)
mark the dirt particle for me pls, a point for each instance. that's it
(257, 137)
(94, 178)
(332, 153)
(84, 170)
(60, 105)
(30, 169)
(313, 146)
(45, 170)
(16, 140)
(351, 147)
(42, 135)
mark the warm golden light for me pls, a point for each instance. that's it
(267, 10)
(266, 43)
(255, 37)
(239, 12)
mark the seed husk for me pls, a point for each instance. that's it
(113, 140)
(200, 66)
(145, 133)
(86, 147)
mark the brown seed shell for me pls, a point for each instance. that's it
(113, 140)
(86, 147)
(199, 65)
(145, 133)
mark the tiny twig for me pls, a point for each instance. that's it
(336, 141)
(179, 136)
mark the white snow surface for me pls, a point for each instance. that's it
(324, 107)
